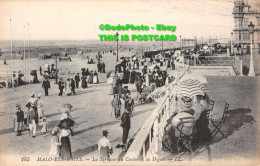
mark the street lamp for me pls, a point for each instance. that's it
(162, 50)
(231, 43)
(117, 46)
(251, 68)
(180, 42)
(56, 72)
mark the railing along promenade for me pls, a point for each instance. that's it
(148, 140)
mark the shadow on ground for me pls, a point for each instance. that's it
(236, 119)
(87, 150)
(96, 126)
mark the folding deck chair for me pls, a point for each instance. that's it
(218, 123)
(184, 138)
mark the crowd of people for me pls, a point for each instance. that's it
(129, 71)
(33, 117)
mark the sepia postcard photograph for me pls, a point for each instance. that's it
(131, 82)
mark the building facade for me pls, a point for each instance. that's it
(245, 12)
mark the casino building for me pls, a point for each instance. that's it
(245, 12)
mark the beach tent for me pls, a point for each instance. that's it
(63, 53)
(18, 56)
(80, 53)
(41, 56)
(84, 56)
(48, 55)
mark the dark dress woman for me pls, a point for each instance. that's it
(90, 78)
(65, 148)
(84, 83)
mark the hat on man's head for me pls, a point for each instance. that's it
(39, 95)
(105, 132)
(18, 105)
(126, 87)
(186, 99)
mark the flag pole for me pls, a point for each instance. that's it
(24, 52)
(12, 75)
(29, 76)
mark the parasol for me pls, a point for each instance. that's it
(65, 107)
(66, 123)
(205, 47)
(190, 88)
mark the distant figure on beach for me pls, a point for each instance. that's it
(40, 69)
(4, 61)
(95, 78)
(103, 67)
(99, 67)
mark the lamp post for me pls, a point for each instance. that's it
(231, 44)
(56, 71)
(117, 47)
(251, 68)
(162, 50)
(180, 42)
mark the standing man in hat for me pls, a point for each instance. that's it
(77, 79)
(61, 86)
(46, 85)
(116, 104)
(18, 119)
(40, 107)
(72, 86)
(32, 101)
(125, 124)
(104, 146)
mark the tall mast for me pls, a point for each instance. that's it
(12, 75)
(29, 75)
(24, 52)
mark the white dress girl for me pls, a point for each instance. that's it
(55, 149)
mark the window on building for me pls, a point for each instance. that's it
(258, 21)
(246, 21)
(239, 36)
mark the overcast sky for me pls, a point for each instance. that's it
(80, 19)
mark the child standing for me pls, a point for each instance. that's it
(55, 150)
(44, 125)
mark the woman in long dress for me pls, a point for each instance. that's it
(65, 148)
(95, 78)
(84, 83)
(67, 87)
(90, 78)
(55, 149)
